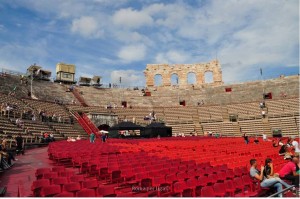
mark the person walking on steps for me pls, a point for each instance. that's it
(92, 137)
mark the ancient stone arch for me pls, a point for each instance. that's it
(182, 70)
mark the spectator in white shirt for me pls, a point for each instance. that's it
(264, 137)
(295, 144)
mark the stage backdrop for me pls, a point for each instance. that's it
(155, 129)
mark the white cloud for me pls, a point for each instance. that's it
(132, 53)
(245, 34)
(132, 37)
(129, 18)
(19, 57)
(128, 77)
(86, 26)
(173, 56)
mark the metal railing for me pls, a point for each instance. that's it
(284, 190)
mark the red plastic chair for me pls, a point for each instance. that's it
(65, 194)
(58, 169)
(203, 181)
(115, 176)
(223, 167)
(37, 185)
(77, 178)
(106, 191)
(50, 190)
(229, 174)
(60, 181)
(239, 185)
(229, 187)
(90, 184)
(193, 184)
(238, 172)
(244, 170)
(86, 193)
(72, 187)
(50, 176)
(212, 179)
(191, 173)
(219, 189)
(171, 178)
(157, 181)
(248, 182)
(39, 172)
(181, 176)
(66, 173)
(207, 192)
(221, 176)
(178, 188)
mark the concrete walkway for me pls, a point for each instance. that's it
(22, 173)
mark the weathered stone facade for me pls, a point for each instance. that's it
(182, 71)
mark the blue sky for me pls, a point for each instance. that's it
(114, 38)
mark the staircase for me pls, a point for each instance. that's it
(85, 123)
(79, 97)
(81, 122)
(89, 123)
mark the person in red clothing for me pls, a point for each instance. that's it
(289, 172)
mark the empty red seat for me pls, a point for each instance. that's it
(170, 178)
(221, 176)
(58, 169)
(238, 172)
(203, 181)
(40, 171)
(90, 184)
(50, 190)
(248, 182)
(107, 191)
(60, 181)
(72, 187)
(181, 176)
(77, 178)
(207, 192)
(86, 193)
(50, 176)
(37, 185)
(66, 173)
(178, 188)
(65, 194)
(230, 188)
(229, 174)
(212, 179)
(219, 189)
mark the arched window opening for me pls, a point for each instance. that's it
(158, 80)
(174, 79)
(209, 77)
(191, 78)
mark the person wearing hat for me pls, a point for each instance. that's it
(289, 170)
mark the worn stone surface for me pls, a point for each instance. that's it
(182, 71)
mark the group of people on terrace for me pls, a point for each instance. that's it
(50, 117)
(46, 137)
(72, 139)
(8, 108)
(256, 140)
(7, 156)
